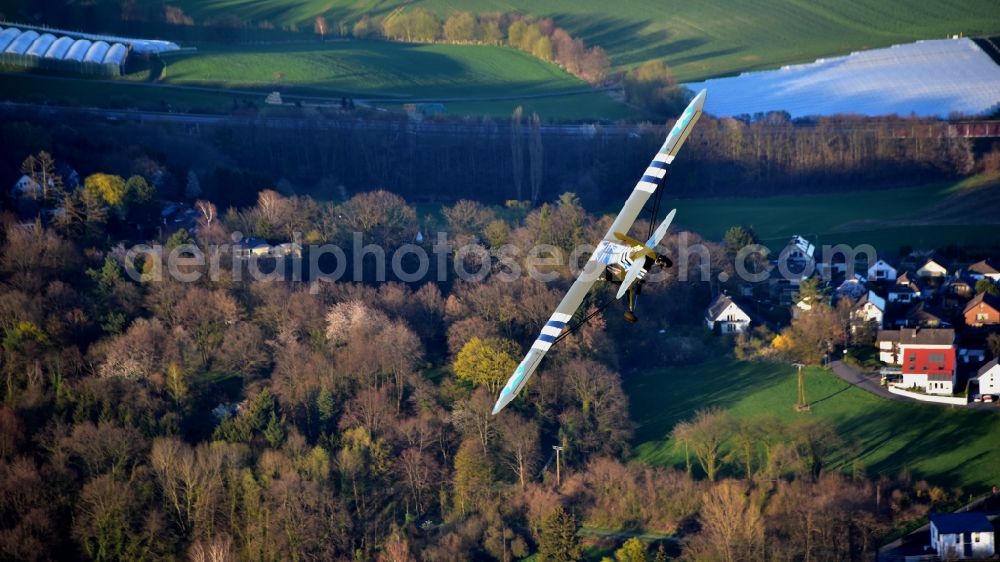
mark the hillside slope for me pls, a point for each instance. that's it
(698, 39)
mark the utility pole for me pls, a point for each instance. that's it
(558, 449)
(802, 405)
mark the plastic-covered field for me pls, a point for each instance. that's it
(21, 43)
(29, 49)
(927, 78)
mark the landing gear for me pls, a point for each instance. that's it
(633, 292)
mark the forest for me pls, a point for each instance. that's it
(222, 420)
(522, 159)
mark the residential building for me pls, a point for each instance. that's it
(960, 536)
(853, 287)
(922, 315)
(985, 269)
(881, 271)
(989, 378)
(932, 268)
(959, 288)
(254, 247)
(904, 290)
(727, 315)
(982, 310)
(870, 308)
(25, 187)
(887, 342)
(799, 250)
(928, 359)
(287, 249)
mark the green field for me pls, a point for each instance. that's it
(108, 93)
(469, 79)
(374, 69)
(698, 39)
(948, 446)
(929, 216)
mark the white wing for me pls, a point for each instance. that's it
(594, 267)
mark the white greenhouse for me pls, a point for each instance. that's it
(939, 78)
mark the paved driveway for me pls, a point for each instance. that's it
(863, 380)
(870, 383)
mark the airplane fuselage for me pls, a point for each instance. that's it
(616, 260)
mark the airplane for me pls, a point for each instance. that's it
(618, 258)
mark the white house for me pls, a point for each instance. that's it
(932, 268)
(881, 271)
(25, 187)
(984, 269)
(870, 308)
(958, 536)
(887, 342)
(251, 247)
(799, 250)
(989, 378)
(287, 249)
(728, 315)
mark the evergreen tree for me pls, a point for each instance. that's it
(193, 189)
(557, 539)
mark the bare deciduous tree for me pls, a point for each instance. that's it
(705, 436)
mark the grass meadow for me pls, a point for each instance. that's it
(483, 80)
(950, 446)
(698, 39)
(373, 69)
(928, 216)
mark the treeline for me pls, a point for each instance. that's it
(767, 156)
(541, 38)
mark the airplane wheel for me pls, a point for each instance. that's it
(630, 317)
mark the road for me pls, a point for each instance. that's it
(390, 123)
(863, 381)
(870, 383)
(334, 98)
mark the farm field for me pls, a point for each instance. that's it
(374, 69)
(106, 93)
(697, 39)
(886, 219)
(950, 446)
(488, 80)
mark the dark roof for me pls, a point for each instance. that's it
(986, 367)
(984, 267)
(867, 297)
(985, 298)
(251, 242)
(718, 305)
(927, 336)
(920, 312)
(905, 281)
(951, 523)
(888, 335)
